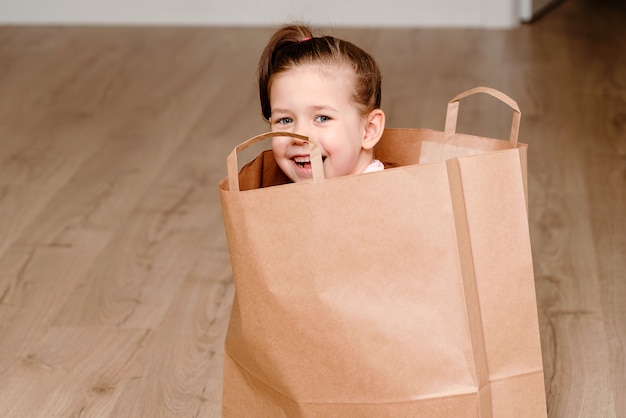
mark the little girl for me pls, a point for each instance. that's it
(328, 90)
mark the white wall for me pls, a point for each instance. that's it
(427, 13)
(531, 8)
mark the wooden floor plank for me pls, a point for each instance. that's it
(186, 380)
(115, 281)
(57, 377)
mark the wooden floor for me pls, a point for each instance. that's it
(115, 281)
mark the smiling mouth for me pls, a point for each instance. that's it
(304, 161)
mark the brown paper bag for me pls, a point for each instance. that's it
(407, 292)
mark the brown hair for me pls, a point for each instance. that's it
(295, 45)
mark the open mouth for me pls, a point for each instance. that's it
(304, 162)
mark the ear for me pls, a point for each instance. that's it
(375, 125)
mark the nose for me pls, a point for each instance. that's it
(300, 130)
(298, 142)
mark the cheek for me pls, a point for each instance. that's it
(345, 143)
(279, 144)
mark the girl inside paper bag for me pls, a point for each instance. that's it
(328, 90)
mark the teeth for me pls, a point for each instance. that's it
(301, 161)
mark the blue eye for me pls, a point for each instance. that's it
(284, 121)
(322, 118)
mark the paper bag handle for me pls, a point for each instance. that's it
(453, 111)
(233, 169)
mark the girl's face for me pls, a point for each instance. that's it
(313, 101)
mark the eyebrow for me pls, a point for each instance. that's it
(322, 107)
(279, 111)
(315, 108)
